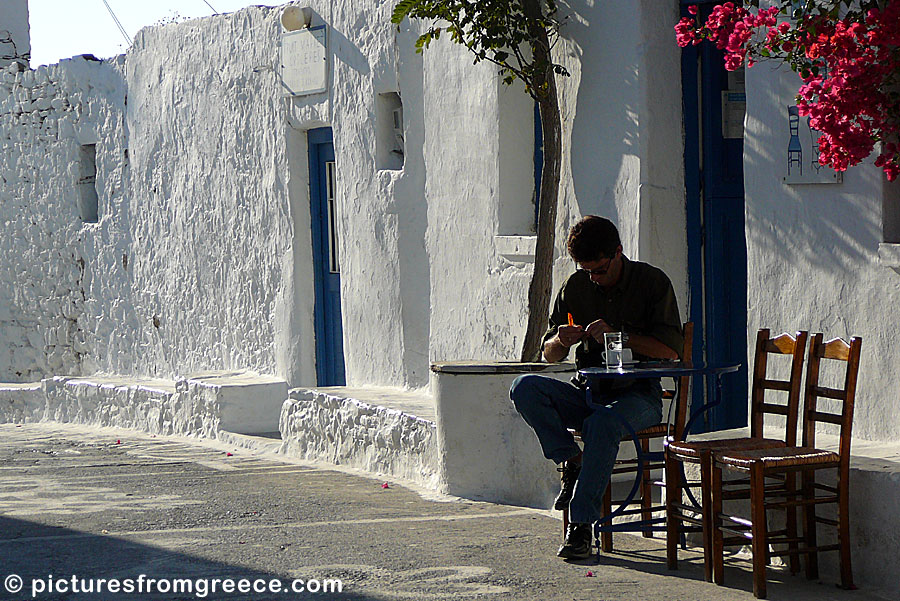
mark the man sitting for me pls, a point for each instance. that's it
(609, 293)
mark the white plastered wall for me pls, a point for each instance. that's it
(223, 178)
(201, 259)
(621, 111)
(812, 253)
(210, 217)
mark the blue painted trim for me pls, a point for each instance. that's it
(316, 137)
(319, 135)
(538, 161)
(690, 109)
(329, 368)
(713, 256)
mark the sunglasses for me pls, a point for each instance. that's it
(598, 270)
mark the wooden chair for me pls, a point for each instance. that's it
(679, 452)
(679, 399)
(760, 464)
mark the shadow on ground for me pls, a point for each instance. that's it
(46, 558)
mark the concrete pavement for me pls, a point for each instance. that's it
(115, 504)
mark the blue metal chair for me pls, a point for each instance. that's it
(639, 500)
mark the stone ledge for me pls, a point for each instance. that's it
(518, 249)
(248, 403)
(381, 434)
(201, 405)
(889, 255)
(413, 403)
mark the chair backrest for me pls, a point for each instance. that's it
(684, 384)
(837, 350)
(783, 344)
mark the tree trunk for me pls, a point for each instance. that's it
(548, 105)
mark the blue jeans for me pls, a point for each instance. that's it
(551, 407)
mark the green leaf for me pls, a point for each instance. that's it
(402, 10)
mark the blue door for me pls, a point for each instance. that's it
(717, 249)
(322, 195)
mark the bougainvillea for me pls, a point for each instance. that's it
(847, 54)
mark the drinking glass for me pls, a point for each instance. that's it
(613, 343)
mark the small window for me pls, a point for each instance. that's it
(87, 184)
(389, 147)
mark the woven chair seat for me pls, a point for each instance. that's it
(693, 449)
(651, 432)
(780, 457)
(656, 430)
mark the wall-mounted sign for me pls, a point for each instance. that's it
(734, 106)
(803, 166)
(304, 61)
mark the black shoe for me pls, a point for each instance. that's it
(578, 542)
(568, 478)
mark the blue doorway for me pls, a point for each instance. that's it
(714, 104)
(326, 259)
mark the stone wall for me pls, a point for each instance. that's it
(200, 256)
(49, 119)
(319, 426)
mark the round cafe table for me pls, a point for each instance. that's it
(651, 369)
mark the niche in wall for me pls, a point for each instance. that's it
(388, 131)
(890, 212)
(87, 183)
(519, 160)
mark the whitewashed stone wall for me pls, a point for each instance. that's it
(342, 430)
(813, 254)
(201, 257)
(622, 128)
(49, 254)
(622, 144)
(208, 201)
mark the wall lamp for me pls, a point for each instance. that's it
(296, 17)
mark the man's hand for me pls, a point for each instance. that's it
(557, 348)
(569, 335)
(596, 330)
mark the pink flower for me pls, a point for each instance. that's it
(733, 62)
(848, 68)
(685, 34)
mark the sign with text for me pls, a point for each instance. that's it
(304, 61)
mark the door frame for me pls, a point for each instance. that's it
(712, 326)
(329, 366)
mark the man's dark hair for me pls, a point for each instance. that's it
(593, 238)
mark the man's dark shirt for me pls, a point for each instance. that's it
(642, 302)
